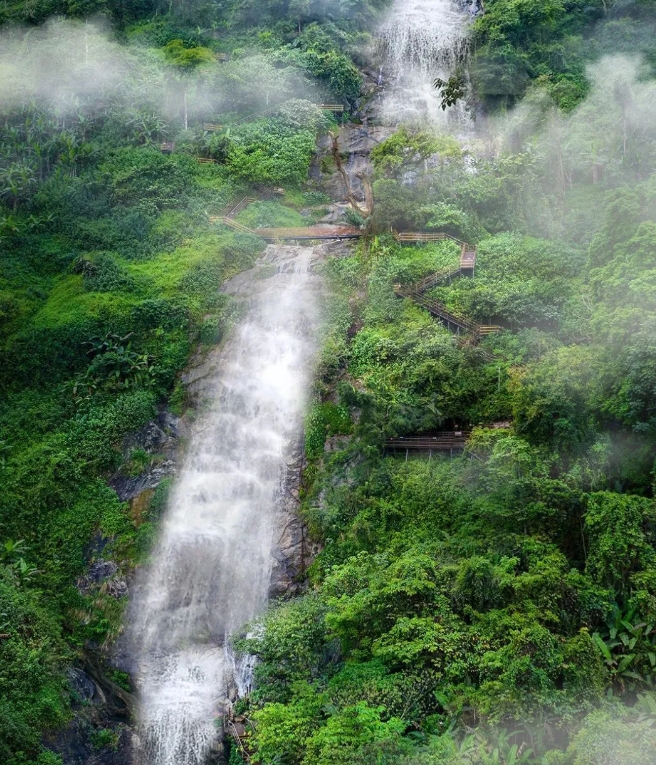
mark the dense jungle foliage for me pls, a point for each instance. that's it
(498, 608)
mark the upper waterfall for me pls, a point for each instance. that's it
(420, 41)
(212, 565)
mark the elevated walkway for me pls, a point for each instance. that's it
(310, 232)
(447, 442)
(425, 236)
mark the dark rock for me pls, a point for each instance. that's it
(159, 439)
(81, 742)
(99, 571)
(83, 689)
(128, 487)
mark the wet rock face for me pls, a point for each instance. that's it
(95, 734)
(102, 577)
(292, 552)
(159, 440)
(355, 143)
(472, 7)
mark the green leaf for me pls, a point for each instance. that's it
(602, 647)
(626, 661)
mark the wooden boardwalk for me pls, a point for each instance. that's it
(307, 233)
(310, 232)
(453, 442)
(425, 236)
(467, 253)
(468, 258)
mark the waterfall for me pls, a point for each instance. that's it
(420, 41)
(211, 568)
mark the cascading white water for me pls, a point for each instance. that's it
(212, 565)
(421, 40)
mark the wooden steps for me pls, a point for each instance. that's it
(233, 211)
(232, 224)
(453, 322)
(433, 280)
(468, 257)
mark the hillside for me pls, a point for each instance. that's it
(496, 606)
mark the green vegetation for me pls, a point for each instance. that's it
(499, 607)
(109, 275)
(550, 42)
(495, 608)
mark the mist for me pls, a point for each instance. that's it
(77, 68)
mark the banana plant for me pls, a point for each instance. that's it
(496, 749)
(628, 647)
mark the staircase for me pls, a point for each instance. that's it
(453, 322)
(432, 280)
(232, 224)
(232, 211)
(450, 320)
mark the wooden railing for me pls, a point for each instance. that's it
(232, 224)
(425, 236)
(437, 309)
(454, 322)
(309, 232)
(432, 280)
(233, 210)
(467, 253)
(447, 441)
